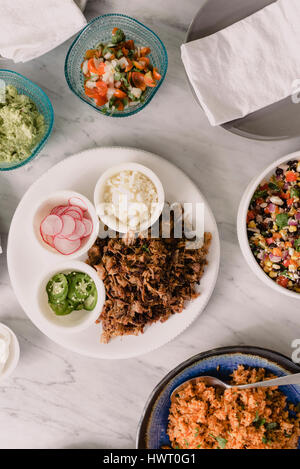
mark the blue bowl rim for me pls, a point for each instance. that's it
(47, 134)
(134, 111)
(276, 357)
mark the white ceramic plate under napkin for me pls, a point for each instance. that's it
(247, 66)
(277, 121)
(26, 262)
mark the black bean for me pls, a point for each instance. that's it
(292, 164)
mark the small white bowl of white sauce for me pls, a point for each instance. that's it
(9, 352)
(129, 198)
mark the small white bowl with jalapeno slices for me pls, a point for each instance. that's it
(70, 296)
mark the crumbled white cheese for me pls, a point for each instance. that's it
(130, 198)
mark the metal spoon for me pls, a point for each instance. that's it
(217, 383)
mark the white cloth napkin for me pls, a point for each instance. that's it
(30, 28)
(248, 65)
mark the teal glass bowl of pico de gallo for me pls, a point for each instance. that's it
(116, 65)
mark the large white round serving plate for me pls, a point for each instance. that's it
(26, 261)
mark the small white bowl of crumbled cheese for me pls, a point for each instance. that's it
(9, 352)
(129, 198)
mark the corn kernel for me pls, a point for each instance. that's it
(273, 274)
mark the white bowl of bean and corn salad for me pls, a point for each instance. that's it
(268, 225)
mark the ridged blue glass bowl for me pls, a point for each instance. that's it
(43, 104)
(99, 30)
(152, 431)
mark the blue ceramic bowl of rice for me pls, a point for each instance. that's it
(152, 430)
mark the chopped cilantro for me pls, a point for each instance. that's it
(258, 422)
(221, 441)
(271, 426)
(265, 440)
(282, 220)
(118, 36)
(258, 195)
(273, 186)
(297, 245)
(295, 191)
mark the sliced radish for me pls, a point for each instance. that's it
(78, 202)
(78, 209)
(79, 231)
(68, 226)
(48, 239)
(74, 213)
(51, 225)
(88, 226)
(66, 246)
(59, 210)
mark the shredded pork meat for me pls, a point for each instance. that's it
(146, 280)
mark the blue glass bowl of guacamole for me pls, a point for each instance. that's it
(26, 120)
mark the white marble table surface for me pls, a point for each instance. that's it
(58, 399)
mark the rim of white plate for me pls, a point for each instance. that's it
(142, 157)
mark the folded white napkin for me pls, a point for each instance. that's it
(248, 65)
(30, 28)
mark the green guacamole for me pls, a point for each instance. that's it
(21, 126)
